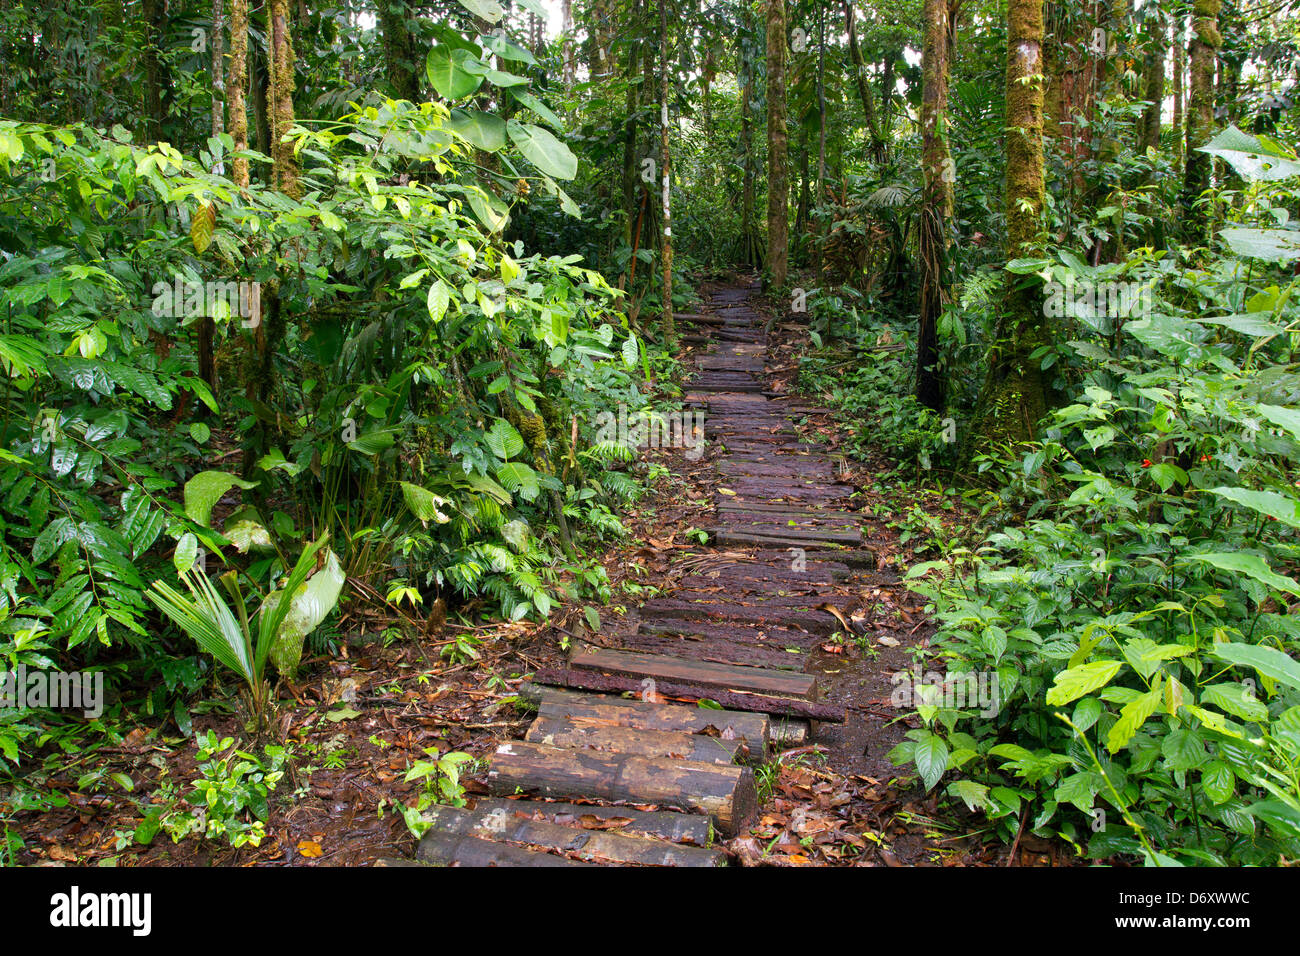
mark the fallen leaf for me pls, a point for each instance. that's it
(309, 848)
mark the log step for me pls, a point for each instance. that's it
(451, 849)
(727, 794)
(701, 673)
(599, 846)
(730, 699)
(689, 828)
(751, 730)
(566, 730)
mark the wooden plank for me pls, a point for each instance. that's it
(817, 622)
(730, 699)
(702, 673)
(697, 647)
(791, 537)
(449, 849)
(596, 733)
(689, 828)
(727, 794)
(787, 732)
(750, 729)
(601, 846)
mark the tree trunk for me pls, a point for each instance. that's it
(876, 150)
(1180, 68)
(778, 174)
(155, 25)
(399, 50)
(1014, 396)
(666, 245)
(629, 131)
(566, 43)
(1200, 116)
(238, 84)
(207, 327)
(284, 163)
(936, 203)
(1154, 69)
(751, 247)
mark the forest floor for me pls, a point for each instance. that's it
(358, 720)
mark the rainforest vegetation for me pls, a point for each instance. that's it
(310, 309)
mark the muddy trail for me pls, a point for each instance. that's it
(742, 715)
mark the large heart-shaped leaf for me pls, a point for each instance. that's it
(484, 130)
(543, 150)
(448, 72)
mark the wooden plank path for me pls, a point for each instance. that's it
(651, 780)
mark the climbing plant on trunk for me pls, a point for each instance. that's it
(1014, 396)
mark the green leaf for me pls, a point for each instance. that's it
(488, 10)
(1267, 660)
(485, 131)
(424, 504)
(538, 107)
(448, 73)
(515, 476)
(1280, 507)
(1218, 781)
(543, 150)
(1081, 680)
(504, 441)
(1252, 158)
(931, 758)
(1274, 245)
(187, 549)
(1250, 565)
(631, 352)
(974, 795)
(438, 300)
(1287, 418)
(205, 489)
(1131, 718)
(310, 605)
(1235, 699)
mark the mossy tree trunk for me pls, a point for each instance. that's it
(400, 61)
(937, 199)
(1203, 55)
(1014, 396)
(667, 325)
(1179, 69)
(629, 128)
(778, 173)
(1153, 67)
(237, 85)
(284, 165)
